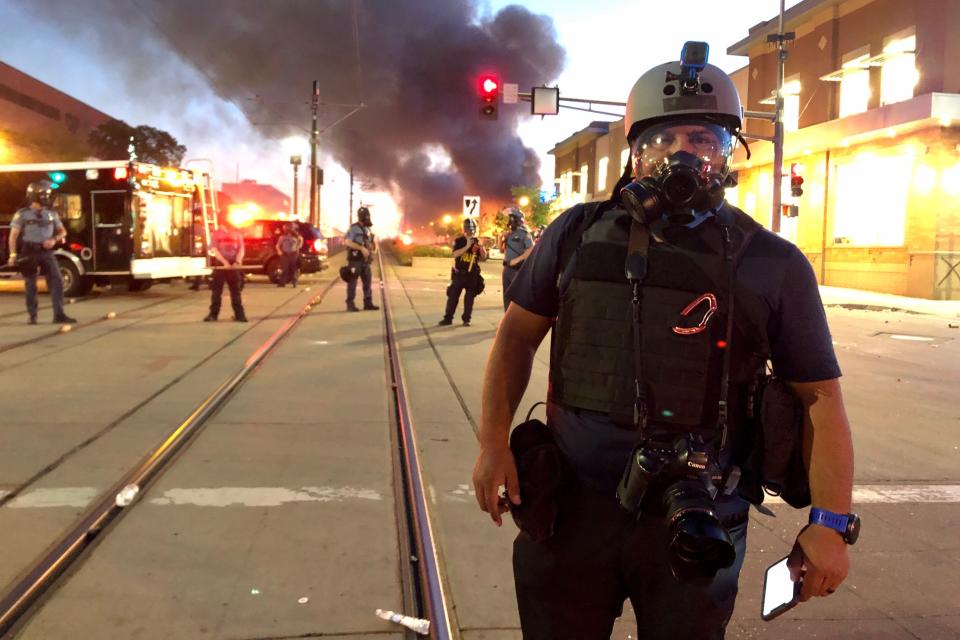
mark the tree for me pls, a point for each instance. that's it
(536, 212)
(110, 141)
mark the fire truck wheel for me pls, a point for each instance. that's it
(274, 270)
(139, 285)
(73, 283)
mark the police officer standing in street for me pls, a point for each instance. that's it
(361, 247)
(517, 245)
(288, 248)
(226, 245)
(665, 303)
(465, 275)
(35, 230)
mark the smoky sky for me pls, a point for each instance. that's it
(413, 63)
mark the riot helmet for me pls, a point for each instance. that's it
(363, 217)
(40, 191)
(470, 226)
(514, 218)
(682, 122)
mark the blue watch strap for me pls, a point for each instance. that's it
(835, 521)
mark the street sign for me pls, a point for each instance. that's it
(471, 205)
(545, 101)
(511, 93)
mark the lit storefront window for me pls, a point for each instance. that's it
(791, 105)
(866, 215)
(624, 156)
(584, 185)
(854, 87)
(899, 75)
(602, 174)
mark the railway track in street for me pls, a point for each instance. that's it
(423, 591)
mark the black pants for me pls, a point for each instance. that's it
(572, 587)
(365, 275)
(468, 283)
(509, 273)
(234, 280)
(289, 262)
(44, 260)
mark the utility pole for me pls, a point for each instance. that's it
(314, 217)
(780, 39)
(351, 194)
(295, 161)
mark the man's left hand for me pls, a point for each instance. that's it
(821, 556)
(49, 243)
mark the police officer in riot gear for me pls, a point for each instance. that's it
(517, 245)
(361, 247)
(288, 248)
(465, 276)
(34, 231)
(664, 302)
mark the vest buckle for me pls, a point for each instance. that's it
(712, 307)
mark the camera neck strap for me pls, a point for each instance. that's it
(636, 271)
(722, 428)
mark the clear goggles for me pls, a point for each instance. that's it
(711, 143)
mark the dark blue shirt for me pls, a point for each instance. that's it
(770, 267)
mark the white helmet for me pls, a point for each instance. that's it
(664, 92)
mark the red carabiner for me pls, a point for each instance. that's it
(689, 331)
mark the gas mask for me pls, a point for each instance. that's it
(681, 168)
(363, 217)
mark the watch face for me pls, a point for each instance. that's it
(853, 529)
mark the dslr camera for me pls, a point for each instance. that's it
(679, 480)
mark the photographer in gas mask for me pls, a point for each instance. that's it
(517, 245)
(665, 303)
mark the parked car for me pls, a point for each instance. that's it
(260, 252)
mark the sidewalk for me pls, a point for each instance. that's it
(872, 300)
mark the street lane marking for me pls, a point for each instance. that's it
(56, 497)
(260, 496)
(200, 497)
(896, 494)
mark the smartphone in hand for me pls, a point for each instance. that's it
(780, 593)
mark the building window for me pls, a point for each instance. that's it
(791, 105)
(624, 157)
(864, 215)
(854, 84)
(584, 184)
(602, 174)
(899, 75)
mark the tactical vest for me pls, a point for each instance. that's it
(355, 255)
(684, 305)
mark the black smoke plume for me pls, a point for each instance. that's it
(413, 63)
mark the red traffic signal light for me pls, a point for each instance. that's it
(796, 180)
(488, 86)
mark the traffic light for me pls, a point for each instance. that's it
(796, 180)
(488, 86)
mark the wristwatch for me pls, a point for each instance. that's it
(846, 524)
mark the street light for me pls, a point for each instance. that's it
(447, 218)
(523, 201)
(295, 161)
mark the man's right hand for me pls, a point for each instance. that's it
(495, 467)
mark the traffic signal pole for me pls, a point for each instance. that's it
(314, 216)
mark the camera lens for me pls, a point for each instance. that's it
(699, 545)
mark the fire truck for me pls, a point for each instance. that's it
(127, 223)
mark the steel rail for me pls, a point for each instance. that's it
(433, 598)
(17, 597)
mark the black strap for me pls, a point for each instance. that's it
(636, 271)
